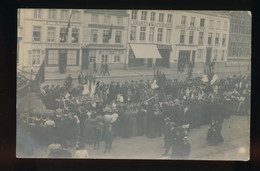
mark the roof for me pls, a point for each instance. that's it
(107, 12)
(241, 15)
(213, 13)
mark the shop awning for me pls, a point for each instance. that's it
(145, 51)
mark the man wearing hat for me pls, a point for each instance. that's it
(169, 135)
(185, 149)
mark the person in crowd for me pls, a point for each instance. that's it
(141, 111)
(60, 152)
(106, 69)
(80, 78)
(169, 135)
(108, 138)
(68, 82)
(89, 128)
(98, 130)
(95, 67)
(81, 152)
(185, 149)
(102, 69)
(214, 135)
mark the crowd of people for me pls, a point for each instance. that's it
(159, 108)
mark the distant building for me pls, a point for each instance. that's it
(129, 38)
(178, 36)
(42, 38)
(150, 37)
(42, 35)
(240, 36)
(200, 37)
(104, 38)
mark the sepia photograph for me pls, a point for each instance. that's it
(133, 84)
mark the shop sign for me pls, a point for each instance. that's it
(62, 45)
(150, 24)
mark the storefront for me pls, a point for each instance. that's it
(165, 51)
(143, 55)
(62, 59)
(114, 55)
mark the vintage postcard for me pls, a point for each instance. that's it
(133, 84)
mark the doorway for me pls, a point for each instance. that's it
(85, 59)
(165, 61)
(184, 57)
(208, 56)
(193, 57)
(149, 62)
(62, 61)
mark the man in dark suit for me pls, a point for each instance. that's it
(95, 67)
(106, 69)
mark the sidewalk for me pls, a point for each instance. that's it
(141, 73)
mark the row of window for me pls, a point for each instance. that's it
(242, 27)
(240, 38)
(183, 19)
(237, 49)
(95, 18)
(168, 36)
(72, 56)
(201, 38)
(53, 57)
(106, 36)
(76, 16)
(51, 34)
(115, 56)
(216, 54)
(64, 14)
(151, 34)
(152, 16)
(202, 23)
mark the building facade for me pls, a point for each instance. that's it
(179, 37)
(150, 31)
(200, 37)
(122, 38)
(240, 36)
(104, 38)
(42, 36)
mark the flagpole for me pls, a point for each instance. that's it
(68, 25)
(127, 44)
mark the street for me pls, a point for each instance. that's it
(122, 75)
(236, 143)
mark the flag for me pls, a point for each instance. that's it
(68, 26)
(214, 79)
(40, 77)
(109, 33)
(163, 80)
(93, 86)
